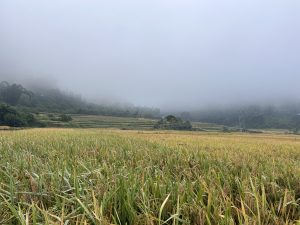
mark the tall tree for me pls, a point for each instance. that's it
(11, 94)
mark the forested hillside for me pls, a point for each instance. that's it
(57, 101)
(22, 103)
(284, 116)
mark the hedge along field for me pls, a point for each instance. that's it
(92, 176)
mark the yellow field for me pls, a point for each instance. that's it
(93, 176)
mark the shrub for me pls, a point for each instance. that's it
(14, 120)
(9, 116)
(171, 122)
(65, 118)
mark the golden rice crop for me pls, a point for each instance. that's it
(77, 176)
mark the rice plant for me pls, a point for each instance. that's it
(77, 176)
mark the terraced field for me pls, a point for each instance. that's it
(207, 126)
(94, 121)
(113, 122)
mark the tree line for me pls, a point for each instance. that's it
(284, 116)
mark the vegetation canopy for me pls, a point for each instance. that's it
(171, 122)
(9, 116)
(56, 101)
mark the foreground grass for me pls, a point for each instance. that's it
(61, 176)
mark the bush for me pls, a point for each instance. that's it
(14, 120)
(65, 118)
(225, 129)
(171, 122)
(9, 116)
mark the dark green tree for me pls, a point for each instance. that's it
(65, 118)
(11, 94)
(171, 122)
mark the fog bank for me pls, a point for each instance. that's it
(176, 55)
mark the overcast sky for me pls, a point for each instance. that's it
(162, 53)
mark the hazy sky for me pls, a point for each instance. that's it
(163, 53)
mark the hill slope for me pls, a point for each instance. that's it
(57, 101)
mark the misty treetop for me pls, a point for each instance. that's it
(283, 116)
(13, 94)
(57, 101)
